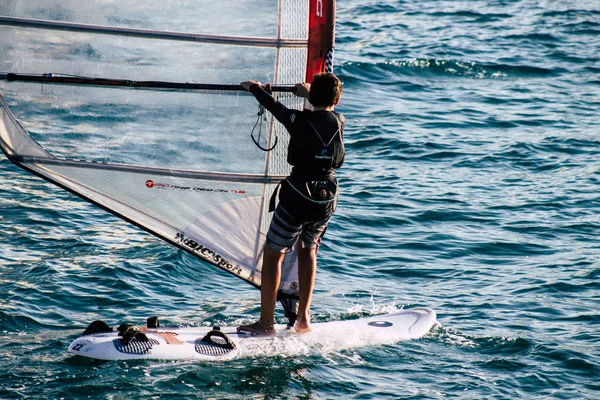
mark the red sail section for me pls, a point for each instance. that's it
(321, 37)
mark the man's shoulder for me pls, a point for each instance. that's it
(311, 116)
(300, 115)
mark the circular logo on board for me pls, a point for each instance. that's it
(381, 324)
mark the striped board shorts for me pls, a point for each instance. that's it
(285, 230)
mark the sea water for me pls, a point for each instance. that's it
(471, 186)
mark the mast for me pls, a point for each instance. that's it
(321, 37)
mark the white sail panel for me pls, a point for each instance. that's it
(244, 17)
(220, 217)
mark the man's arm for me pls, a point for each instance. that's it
(279, 111)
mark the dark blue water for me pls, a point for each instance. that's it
(472, 186)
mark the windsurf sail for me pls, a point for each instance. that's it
(176, 161)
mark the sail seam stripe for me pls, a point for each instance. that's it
(153, 34)
(215, 176)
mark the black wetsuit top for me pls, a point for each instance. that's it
(316, 138)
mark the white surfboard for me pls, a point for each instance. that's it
(226, 343)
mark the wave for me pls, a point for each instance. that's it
(562, 287)
(473, 16)
(390, 72)
(491, 345)
(19, 323)
(549, 154)
(516, 354)
(573, 13)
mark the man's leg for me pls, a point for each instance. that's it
(270, 278)
(307, 270)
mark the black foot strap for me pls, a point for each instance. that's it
(97, 327)
(222, 341)
(129, 331)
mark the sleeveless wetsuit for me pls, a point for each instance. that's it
(308, 197)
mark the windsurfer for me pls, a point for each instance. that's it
(308, 197)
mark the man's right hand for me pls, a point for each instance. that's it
(246, 85)
(302, 89)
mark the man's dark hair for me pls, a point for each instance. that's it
(325, 90)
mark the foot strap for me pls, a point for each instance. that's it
(222, 341)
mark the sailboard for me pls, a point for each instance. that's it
(127, 342)
(191, 175)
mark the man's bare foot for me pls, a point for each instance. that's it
(257, 328)
(302, 327)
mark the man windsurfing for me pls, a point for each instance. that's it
(308, 196)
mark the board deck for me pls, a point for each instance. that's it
(186, 343)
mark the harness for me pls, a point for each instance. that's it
(320, 156)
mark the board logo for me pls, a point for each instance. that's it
(381, 324)
(207, 253)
